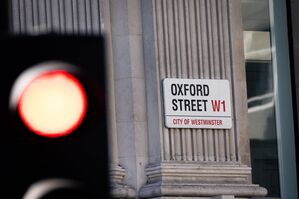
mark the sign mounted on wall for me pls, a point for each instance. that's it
(197, 103)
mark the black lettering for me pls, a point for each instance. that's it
(199, 105)
(186, 88)
(174, 105)
(206, 90)
(187, 105)
(192, 90)
(173, 89)
(180, 87)
(205, 105)
(181, 104)
(199, 89)
(193, 105)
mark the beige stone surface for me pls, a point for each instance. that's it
(156, 39)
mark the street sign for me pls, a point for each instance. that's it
(197, 103)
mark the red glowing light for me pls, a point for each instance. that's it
(53, 104)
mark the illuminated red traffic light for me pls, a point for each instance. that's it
(53, 104)
(54, 125)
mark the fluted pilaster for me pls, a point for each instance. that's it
(196, 39)
(193, 41)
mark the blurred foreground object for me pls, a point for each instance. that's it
(54, 125)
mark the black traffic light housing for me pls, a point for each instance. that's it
(80, 157)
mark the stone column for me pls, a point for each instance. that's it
(119, 188)
(199, 39)
(123, 31)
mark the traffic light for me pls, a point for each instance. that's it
(53, 131)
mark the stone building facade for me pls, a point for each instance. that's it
(146, 42)
(153, 40)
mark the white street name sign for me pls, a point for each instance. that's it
(197, 103)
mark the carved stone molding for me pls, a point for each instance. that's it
(194, 173)
(190, 180)
(118, 189)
